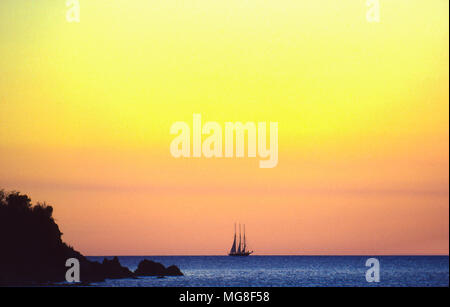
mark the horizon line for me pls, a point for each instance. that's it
(285, 255)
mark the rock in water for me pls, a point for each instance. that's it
(173, 270)
(151, 268)
(113, 269)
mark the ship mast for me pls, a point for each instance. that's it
(245, 246)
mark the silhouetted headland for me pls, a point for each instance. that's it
(33, 253)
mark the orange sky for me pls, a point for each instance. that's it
(362, 111)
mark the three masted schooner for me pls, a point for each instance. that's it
(241, 248)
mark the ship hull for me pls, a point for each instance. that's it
(240, 254)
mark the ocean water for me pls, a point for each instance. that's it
(289, 271)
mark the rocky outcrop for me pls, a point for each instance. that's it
(151, 268)
(113, 269)
(173, 270)
(33, 253)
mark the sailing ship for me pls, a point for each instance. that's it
(239, 249)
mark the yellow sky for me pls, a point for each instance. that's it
(362, 110)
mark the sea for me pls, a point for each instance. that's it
(288, 271)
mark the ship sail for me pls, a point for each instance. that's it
(240, 242)
(233, 248)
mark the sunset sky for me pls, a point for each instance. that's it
(362, 111)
